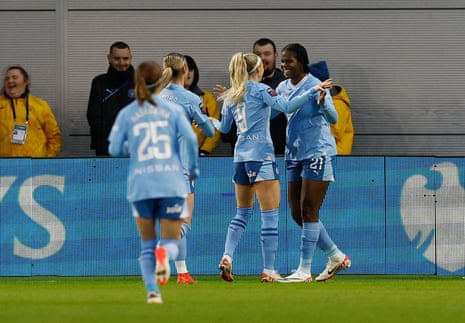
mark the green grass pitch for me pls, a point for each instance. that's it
(347, 298)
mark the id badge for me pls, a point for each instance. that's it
(19, 134)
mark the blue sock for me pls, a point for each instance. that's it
(147, 265)
(324, 240)
(269, 237)
(171, 247)
(310, 233)
(182, 253)
(236, 229)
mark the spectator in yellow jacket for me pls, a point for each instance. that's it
(343, 129)
(28, 127)
(210, 107)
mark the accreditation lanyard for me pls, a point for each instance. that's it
(19, 130)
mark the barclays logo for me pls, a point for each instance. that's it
(434, 218)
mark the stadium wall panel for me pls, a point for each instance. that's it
(391, 215)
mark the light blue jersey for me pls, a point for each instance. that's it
(192, 105)
(252, 117)
(150, 137)
(308, 130)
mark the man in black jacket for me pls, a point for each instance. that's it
(109, 93)
(266, 49)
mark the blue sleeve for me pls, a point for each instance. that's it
(202, 120)
(226, 119)
(118, 146)
(274, 113)
(190, 145)
(216, 124)
(207, 128)
(328, 109)
(277, 102)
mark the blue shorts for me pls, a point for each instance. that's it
(161, 208)
(316, 168)
(246, 173)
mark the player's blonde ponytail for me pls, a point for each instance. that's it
(241, 67)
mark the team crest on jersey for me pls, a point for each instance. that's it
(272, 92)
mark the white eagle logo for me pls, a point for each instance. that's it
(435, 219)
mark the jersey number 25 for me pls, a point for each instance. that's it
(153, 145)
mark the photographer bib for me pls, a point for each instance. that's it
(19, 134)
(20, 130)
